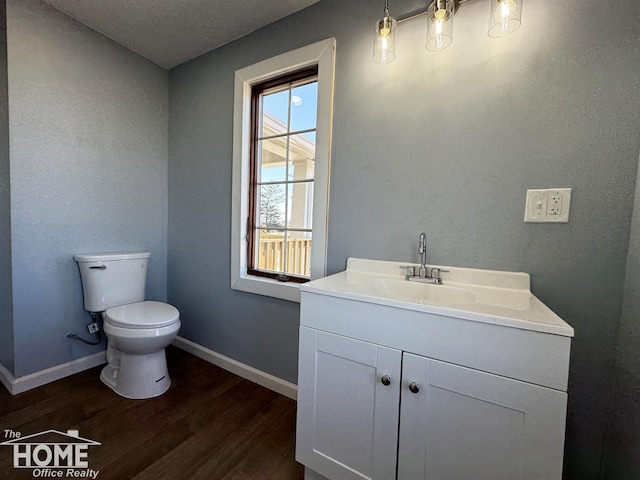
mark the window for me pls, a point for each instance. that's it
(282, 131)
(282, 157)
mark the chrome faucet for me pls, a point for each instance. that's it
(423, 274)
(422, 250)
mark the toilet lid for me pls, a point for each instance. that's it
(142, 315)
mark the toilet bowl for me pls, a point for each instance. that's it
(138, 334)
(137, 330)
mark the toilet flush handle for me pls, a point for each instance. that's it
(98, 267)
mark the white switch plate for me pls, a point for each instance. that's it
(548, 205)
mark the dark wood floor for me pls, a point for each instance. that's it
(210, 425)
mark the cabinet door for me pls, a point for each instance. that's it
(347, 418)
(463, 424)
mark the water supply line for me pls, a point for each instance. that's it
(75, 335)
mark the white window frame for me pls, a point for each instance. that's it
(322, 54)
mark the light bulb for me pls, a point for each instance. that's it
(439, 26)
(384, 49)
(384, 41)
(505, 17)
(506, 10)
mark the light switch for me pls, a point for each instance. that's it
(547, 205)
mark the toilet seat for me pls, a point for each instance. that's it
(141, 315)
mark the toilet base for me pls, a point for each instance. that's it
(137, 376)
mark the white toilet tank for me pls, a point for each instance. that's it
(112, 279)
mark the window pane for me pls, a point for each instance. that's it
(283, 169)
(299, 254)
(275, 113)
(304, 106)
(271, 161)
(302, 154)
(300, 208)
(272, 206)
(270, 251)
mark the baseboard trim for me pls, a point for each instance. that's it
(252, 374)
(6, 378)
(37, 379)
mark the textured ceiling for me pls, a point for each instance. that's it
(170, 32)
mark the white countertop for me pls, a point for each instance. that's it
(488, 296)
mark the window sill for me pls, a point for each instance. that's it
(267, 287)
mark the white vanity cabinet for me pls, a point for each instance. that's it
(391, 391)
(451, 422)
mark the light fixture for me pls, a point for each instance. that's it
(505, 19)
(439, 25)
(384, 41)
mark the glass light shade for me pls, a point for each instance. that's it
(505, 17)
(384, 41)
(439, 25)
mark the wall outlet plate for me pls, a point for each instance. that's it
(550, 205)
(93, 327)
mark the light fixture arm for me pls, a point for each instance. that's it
(386, 13)
(422, 12)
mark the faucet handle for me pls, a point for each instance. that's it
(411, 270)
(435, 272)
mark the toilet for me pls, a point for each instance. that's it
(138, 331)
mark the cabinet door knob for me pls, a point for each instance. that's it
(414, 387)
(386, 380)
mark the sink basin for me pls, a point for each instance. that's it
(425, 293)
(487, 296)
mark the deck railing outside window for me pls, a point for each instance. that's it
(271, 255)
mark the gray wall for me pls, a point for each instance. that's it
(6, 305)
(622, 459)
(445, 144)
(259, 331)
(88, 128)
